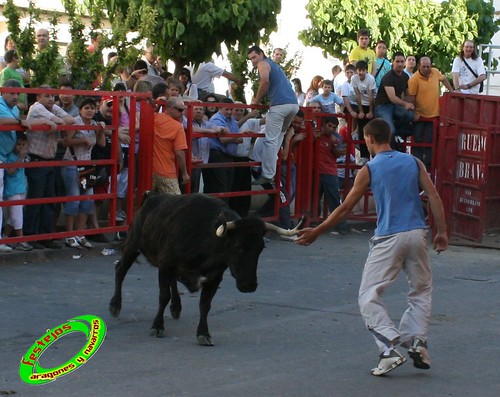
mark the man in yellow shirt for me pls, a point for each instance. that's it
(362, 52)
(424, 91)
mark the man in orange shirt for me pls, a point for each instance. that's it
(168, 148)
(424, 91)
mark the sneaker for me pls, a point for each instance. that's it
(84, 242)
(24, 246)
(121, 216)
(51, 244)
(419, 354)
(388, 363)
(5, 248)
(72, 242)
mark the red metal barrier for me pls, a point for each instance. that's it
(111, 196)
(469, 164)
(307, 178)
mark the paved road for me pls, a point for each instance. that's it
(300, 334)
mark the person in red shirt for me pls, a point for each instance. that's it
(329, 148)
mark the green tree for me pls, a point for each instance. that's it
(190, 31)
(126, 34)
(418, 27)
(46, 65)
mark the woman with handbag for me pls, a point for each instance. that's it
(78, 180)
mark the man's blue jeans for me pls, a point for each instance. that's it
(397, 117)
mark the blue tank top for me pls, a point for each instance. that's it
(280, 90)
(394, 183)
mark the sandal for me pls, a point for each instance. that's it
(72, 242)
(84, 242)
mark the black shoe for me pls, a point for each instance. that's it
(51, 244)
(37, 245)
(98, 238)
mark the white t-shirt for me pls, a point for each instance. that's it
(204, 76)
(245, 148)
(364, 87)
(347, 91)
(465, 76)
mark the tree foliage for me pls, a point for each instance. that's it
(45, 65)
(190, 31)
(420, 27)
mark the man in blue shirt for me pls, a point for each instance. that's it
(283, 107)
(9, 114)
(222, 150)
(399, 243)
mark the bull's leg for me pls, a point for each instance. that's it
(175, 304)
(164, 281)
(207, 294)
(121, 269)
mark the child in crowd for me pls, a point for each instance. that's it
(364, 88)
(79, 145)
(174, 88)
(328, 99)
(15, 187)
(382, 64)
(349, 96)
(329, 148)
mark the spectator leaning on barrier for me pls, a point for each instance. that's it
(42, 146)
(424, 91)
(9, 114)
(15, 189)
(391, 103)
(79, 145)
(169, 148)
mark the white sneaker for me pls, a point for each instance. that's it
(388, 363)
(5, 248)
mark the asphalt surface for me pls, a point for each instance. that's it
(300, 334)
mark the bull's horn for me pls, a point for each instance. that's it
(284, 232)
(222, 229)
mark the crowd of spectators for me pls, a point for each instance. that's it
(368, 86)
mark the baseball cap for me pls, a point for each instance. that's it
(107, 98)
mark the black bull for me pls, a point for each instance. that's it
(192, 239)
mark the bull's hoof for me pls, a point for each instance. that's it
(204, 340)
(175, 313)
(159, 333)
(114, 309)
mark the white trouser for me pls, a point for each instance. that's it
(389, 255)
(278, 119)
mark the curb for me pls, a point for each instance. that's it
(65, 253)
